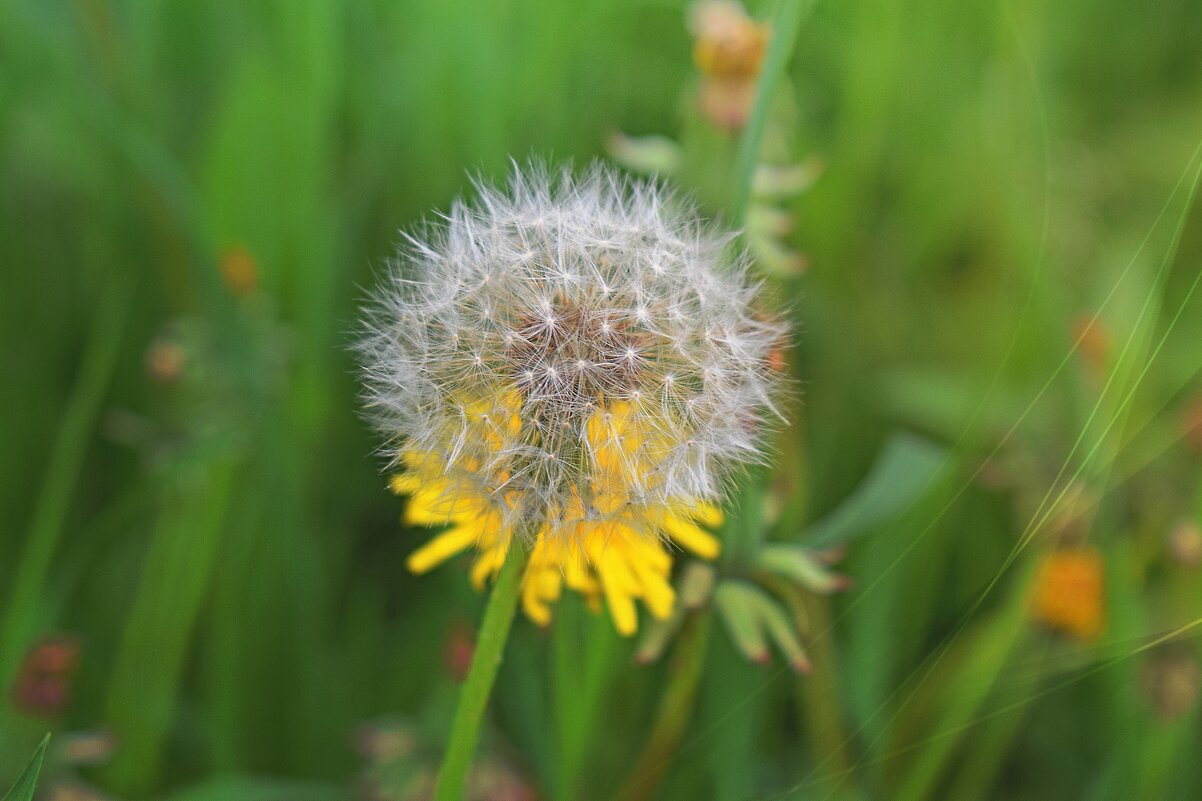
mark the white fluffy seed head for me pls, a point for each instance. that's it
(572, 350)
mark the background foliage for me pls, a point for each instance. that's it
(193, 196)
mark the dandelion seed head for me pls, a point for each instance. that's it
(574, 349)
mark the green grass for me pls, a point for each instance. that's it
(223, 545)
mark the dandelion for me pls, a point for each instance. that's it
(569, 372)
(576, 366)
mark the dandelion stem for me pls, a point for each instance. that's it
(785, 26)
(473, 698)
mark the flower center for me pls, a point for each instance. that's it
(566, 359)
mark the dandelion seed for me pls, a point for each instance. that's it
(563, 437)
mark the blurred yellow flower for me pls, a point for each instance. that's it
(1069, 591)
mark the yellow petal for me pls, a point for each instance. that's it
(707, 514)
(427, 509)
(692, 537)
(541, 587)
(652, 552)
(621, 609)
(658, 594)
(652, 575)
(579, 577)
(404, 483)
(607, 560)
(534, 605)
(441, 548)
(619, 587)
(487, 564)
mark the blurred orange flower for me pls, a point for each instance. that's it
(43, 684)
(728, 51)
(1093, 342)
(729, 44)
(1069, 592)
(239, 271)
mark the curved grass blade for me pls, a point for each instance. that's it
(28, 782)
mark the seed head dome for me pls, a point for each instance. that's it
(571, 351)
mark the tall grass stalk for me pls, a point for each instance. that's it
(63, 471)
(786, 24)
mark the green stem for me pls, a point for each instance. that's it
(582, 647)
(785, 26)
(473, 698)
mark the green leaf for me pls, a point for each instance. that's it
(780, 629)
(753, 618)
(28, 782)
(799, 566)
(649, 155)
(177, 572)
(696, 585)
(736, 601)
(900, 476)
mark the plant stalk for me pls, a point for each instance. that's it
(473, 697)
(785, 26)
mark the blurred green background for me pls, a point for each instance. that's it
(194, 199)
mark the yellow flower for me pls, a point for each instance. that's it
(600, 556)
